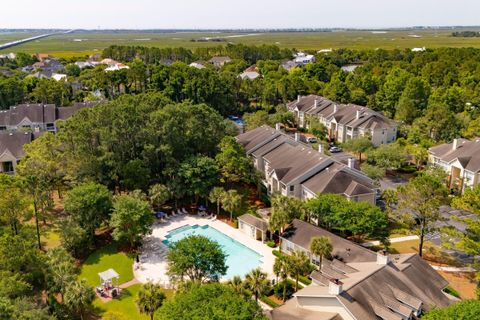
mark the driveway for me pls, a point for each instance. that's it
(343, 157)
(391, 182)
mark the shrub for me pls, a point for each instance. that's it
(278, 289)
(271, 244)
(304, 280)
(407, 169)
(277, 253)
(269, 301)
(452, 292)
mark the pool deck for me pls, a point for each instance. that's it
(153, 265)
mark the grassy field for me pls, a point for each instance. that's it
(83, 43)
(104, 259)
(124, 307)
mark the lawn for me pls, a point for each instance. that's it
(125, 304)
(104, 259)
(50, 239)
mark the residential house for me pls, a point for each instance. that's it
(344, 121)
(292, 168)
(422, 49)
(198, 65)
(325, 51)
(219, 61)
(85, 64)
(251, 73)
(302, 58)
(350, 67)
(290, 64)
(461, 160)
(116, 67)
(10, 56)
(37, 117)
(359, 284)
(49, 65)
(11, 149)
(113, 65)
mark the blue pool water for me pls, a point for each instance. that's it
(240, 259)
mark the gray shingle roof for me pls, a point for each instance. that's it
(13, 142)
(301, 233)
(467, 153)
(290, 162)
(344, 114)
(259, 223)
(339, 179)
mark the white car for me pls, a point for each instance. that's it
(335, 149)
(311, 139)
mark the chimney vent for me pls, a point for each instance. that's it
(455, 144)
(335, 287)
(358, 114)
(298, 98)
(335, 108)
(315, 103)
(351, 163)
(383, 258)
(321, 148)
(278, 126)
(297, 136)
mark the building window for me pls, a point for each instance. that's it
(8, 166)
(292, 188)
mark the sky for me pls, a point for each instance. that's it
(238, 14)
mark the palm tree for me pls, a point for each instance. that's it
(280, 268)
(237, 284)
(231, 201)
(215, 196)
(79, 297)
(299, 264)
(256, 281)
(321, 247)
(158, 194)
(150, 298)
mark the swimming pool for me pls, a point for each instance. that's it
(240, 259)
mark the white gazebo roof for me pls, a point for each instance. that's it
(108, 275)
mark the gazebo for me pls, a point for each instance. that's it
(109, 282)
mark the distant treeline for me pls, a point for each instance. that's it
(466, 34)
(251, 54)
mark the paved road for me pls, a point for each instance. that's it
(22, 41)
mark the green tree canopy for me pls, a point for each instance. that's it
(321, 247)
(358, 145)
(150, 298)
(196, 258)
(234, 164)
(419, 203)
(131, 219)
(90, 205)
(210, 301)
(464, 310)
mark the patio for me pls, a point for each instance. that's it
(153, 265)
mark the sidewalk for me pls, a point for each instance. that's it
(453, 269)
(392, 240)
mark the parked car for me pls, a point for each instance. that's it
(311, 139)
(335, 149)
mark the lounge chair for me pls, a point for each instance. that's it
(179, 212)
(173, 213)
(184, 211)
